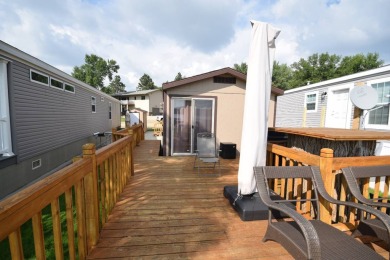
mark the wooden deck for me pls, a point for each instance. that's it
(169, 211)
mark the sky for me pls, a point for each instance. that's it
(164, 37)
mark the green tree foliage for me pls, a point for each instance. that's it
(358, 63)
(320, 67)
(317, 68)
(96, 70)
(115, 86)
(145, 83)
(243, 67)
(179, 76)
(281, 75)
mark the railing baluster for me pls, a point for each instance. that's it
(80, 215)
(39, 240)
(385, 194)
(55, 213)
(15, 244)
(103, 171)
(70, 224)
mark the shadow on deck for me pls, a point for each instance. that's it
(169, 211)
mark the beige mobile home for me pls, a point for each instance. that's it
(209, 102)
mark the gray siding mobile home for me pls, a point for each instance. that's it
(49, 116)
(291, 110)
(328, 103)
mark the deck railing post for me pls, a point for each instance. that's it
(326, 167)
(113, 135)
(91, 198)
(131, 157)
(142, 133)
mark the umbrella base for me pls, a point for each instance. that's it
(250, 207)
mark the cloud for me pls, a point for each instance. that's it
(162, 38)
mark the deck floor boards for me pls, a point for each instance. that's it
(169, 211)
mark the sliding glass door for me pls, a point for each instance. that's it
(189, 117)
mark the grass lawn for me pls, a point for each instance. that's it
(28, 238)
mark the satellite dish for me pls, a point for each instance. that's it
(364, 97)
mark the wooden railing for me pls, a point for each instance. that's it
(88, 188)
(136, 130)
(330, 167)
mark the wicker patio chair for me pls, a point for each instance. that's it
(356, 177)
(309, 239)
(206, 152)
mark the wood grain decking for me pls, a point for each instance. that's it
(169, 211)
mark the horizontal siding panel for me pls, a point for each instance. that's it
(290, 110)
(46, 118)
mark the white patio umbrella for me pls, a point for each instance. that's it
(257, 96)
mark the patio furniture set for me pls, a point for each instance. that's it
(310, 238)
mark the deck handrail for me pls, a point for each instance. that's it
(330, 167)
(91, 186)
(137, 130)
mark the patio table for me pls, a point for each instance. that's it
(343, 142)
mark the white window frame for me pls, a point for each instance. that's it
(5, 123)
(316, 102)
(93, 104)
(109, 110)
(367, 112)
(51, 78)
(74, 88)
(38, 82)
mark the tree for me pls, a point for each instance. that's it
(281, 75)
(358, 63)
(115, 86)
(243, 67)
(145, 83)
(317, 68)
(95, 70)
(321, 67)
(179, 77)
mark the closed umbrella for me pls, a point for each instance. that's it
(257, 97)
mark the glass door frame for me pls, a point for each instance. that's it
(191, 120)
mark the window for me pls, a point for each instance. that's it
(380, 114)
(109, 110)
(102, 99)
(225, 80)
(69, 88)
(311, 102)
(38, 77)
(5, 126)
(93, 103)
(56, 84)
(142, 97)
